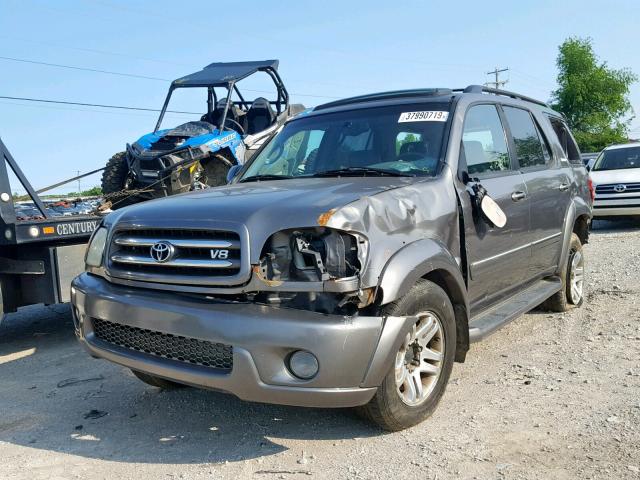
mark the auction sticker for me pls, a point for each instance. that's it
(425, 116)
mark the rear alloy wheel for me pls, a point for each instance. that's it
(421, 367)
(572, 277)
(576, 277)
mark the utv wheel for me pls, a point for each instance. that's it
(216, 168)
(421, 368)
(157, 381)
(572, 277)
(115, 174)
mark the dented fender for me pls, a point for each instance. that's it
(415, 261)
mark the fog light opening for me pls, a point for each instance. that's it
(303, 365)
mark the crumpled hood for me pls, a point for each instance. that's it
(275, 205)
(257, 208)
(392, 212)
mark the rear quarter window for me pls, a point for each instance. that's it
(566, 140)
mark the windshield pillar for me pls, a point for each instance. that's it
(164, 108)
(226, 107)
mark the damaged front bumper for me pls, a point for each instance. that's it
(165, 170)
(354, 352)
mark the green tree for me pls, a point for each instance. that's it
(92, 192)
(593, 97)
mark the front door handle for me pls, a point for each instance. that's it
(564, 187)
(517, 196)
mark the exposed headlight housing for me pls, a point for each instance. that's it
(313, 254)
(95, 251)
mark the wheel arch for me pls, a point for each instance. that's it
(429, 259)
(577, 220)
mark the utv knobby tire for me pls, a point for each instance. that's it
(561, 301)
(115, 174)
(216, 169)
(386, 408)
(157, 381)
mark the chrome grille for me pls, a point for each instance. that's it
(194, 253)
(165, 345)
(611, 188)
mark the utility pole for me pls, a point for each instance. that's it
(498, 83)
(78, 183)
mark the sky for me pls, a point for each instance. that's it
(327, 50)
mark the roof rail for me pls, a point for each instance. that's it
(427, 92)
(497, 91)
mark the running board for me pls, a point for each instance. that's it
(491, 320)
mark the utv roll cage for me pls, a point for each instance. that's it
(227, 75)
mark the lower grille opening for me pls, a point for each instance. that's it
(173, 347)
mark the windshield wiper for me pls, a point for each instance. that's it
(257, 178)
(361, 171)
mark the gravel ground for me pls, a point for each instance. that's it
(549, 396)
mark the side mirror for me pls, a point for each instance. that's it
(493, 211)
(233, 171)
(482, 201)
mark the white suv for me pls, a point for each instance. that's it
(616, 178)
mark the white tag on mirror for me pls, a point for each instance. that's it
(493, 212)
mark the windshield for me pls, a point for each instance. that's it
(618, 159)
(396, 140)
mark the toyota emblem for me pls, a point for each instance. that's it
(162, 252)
(620, 188)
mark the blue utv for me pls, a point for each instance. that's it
(199, 154)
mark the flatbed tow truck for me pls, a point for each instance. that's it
(39, 256)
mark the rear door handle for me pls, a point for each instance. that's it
(517, 196)
(564, 187)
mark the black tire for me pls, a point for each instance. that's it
(562, 300)
(115, 174)
(216, 168)
(386, 408)
(157, 381)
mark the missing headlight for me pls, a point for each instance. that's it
(316, 254)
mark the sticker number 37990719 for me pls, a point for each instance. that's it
(430, 116)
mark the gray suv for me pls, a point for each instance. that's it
(352, 261)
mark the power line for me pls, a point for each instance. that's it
(144, 77)
(72, 67)
(93, 50)
(498, 83)
(121, 107)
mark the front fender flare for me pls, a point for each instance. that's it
(415, 261)
(428, 258)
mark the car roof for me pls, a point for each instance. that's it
(223, 73)
(620, 146)
(422, 95)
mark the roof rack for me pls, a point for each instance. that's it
(497, 91)
(426, 92)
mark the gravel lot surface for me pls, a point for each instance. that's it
(550, 396)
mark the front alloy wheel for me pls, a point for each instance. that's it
(421, 367)
(419, 360)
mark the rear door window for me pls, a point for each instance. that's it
(484, 144)
(530, 148)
